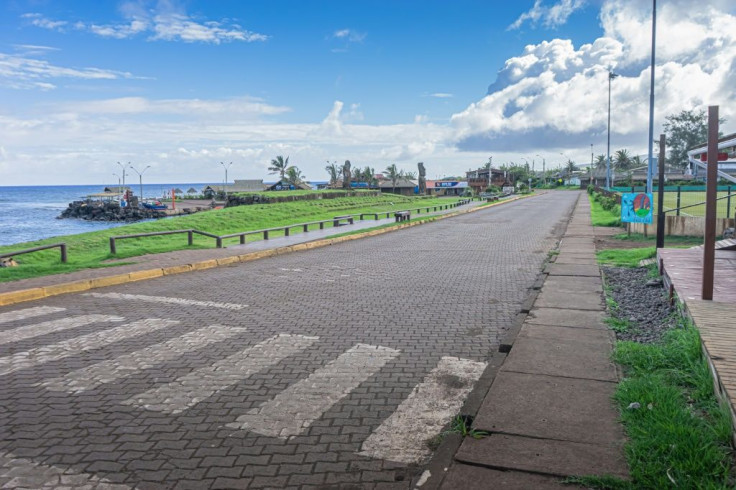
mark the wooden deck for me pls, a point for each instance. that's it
(682, 270)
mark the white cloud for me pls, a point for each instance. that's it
(441, 95)
(167, 22)
(554, 95)
(552, 16)
(349, 35)
(22, 72)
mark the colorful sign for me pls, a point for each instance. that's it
(636, 207)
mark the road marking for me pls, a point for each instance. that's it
(126, 365)
(24, 473)
(403, 436)
(30, 331)
(190, 389)
(16, 315)
(293, 410)
(164, 299)
(60, 350)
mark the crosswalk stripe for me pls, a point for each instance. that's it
(293, 410)
(164, 299)
(60, 350)
(192, 388)
(126, 365)
(403, 436)
(24, 473)
(38, 329)
(13, 316)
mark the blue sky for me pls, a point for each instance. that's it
(184, 85)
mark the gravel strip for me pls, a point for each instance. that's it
(645, 306)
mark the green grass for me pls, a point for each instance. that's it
(601, 217)
(680, 436)
(669, 241)
(91, 250)
(625, 257)
(688, 198)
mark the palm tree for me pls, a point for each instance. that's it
(294, 176)
(623, 160)
(393, 174)
(334, 172)
(369, 175)
(279, 166)
(410, 175)
(570, 167)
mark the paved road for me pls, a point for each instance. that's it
(331, 367)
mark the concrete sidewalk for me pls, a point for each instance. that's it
(157, 265)
(549, 411)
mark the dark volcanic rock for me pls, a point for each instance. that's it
(641, 301)
(108, 211)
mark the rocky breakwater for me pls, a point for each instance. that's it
(108, 211)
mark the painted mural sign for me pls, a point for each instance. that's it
(636, 207)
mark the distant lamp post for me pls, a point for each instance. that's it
(544, 168)
(116, 175)
(123, 167)
(611, 76)
(140, 178)
(225, 167)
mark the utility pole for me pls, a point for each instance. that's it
(650, 162)
(611, 76)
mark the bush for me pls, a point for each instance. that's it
(493, 189)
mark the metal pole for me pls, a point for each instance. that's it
(711, 192)
(650, 164)
(660, 195)
(679, 195)
(611, 76)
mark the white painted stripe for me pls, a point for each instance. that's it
(13, 316)
(403, 436)
(126, 365)
(293, 410)
(54, 352)
(38, 329)
(24, 473)
(192, 388)
(164, 299)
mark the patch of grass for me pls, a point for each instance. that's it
(602, 217)
(620, 325)
(670, 241)
(91, 250)
(625, 257)
(461, 424)
(680, 436)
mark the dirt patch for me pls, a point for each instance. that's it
(604, 239)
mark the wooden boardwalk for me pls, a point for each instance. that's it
(682, 270)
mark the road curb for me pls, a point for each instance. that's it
(32, 294)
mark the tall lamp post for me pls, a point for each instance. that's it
(544, 168)
(116, 175)
(650, 161)
(591, 164)
(140, 178)
(611, 76)
(225, 167)
(123, 167)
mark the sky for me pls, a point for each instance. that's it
(181, 86)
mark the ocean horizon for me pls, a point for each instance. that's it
(29, 213)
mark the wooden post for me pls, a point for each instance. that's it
(190, 238)
(679, 195)
(63, 252)
(711, 193)
(113, 249)
(660, 195)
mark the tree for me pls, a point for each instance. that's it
(369, 175)
(334, 172)
(488, 164)
(393, 174)
(279, 166)
(294, 176)
(622, 159)
(570, 167)
(411, 175)
(637, 162)
(683, 131)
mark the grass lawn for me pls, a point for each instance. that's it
(669, 241)
(90, 250)
(626, 257)
(688, 198)
(601, 217)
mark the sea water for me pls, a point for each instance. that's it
(29, 213)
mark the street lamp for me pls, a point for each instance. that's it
(611, 76)
(123, 167)
(116, 175)
(544, 168)
(140, 178)
(225, 167)
(650, 161)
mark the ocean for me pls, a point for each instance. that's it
(29, 213)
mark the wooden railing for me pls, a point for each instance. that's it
(62, 249)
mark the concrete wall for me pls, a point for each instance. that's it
(682, 226)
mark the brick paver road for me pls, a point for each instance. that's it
(326, 368)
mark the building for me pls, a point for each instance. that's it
(247, 185)
(403, 186)
(285, 185)
(446, 187)
(480, 179)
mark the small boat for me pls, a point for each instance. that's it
(154, 205)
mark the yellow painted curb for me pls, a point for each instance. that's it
(20, 296)
(176, 269)
(13, 297)
(67, 287)
(101, 282)
(147, 274)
